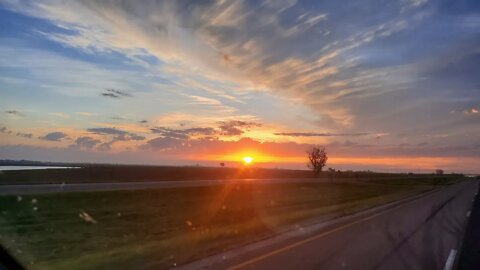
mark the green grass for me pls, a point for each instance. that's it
(125, 173)
(155, 229)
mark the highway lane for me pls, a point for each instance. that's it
(82, 187)
(418, 234)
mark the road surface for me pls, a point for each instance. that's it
(423, 233)
(81, 187)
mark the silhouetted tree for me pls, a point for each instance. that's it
(438, 171)
(317, 157)
(222, 164)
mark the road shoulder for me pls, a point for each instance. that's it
(469, 257)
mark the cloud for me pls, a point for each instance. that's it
(107, 131)
(313, 134)
(25, 135)
(235, 127)
(224, 128)
(205, 100)
(174, 138)
(111, 95)
(119, 135)
(414, 3)
(85, 142)
(114, 93)
(253, 53)
(107, 146)
(128, 137)
(60, 114)
(18, 134)
(54, 136)
(14, 112)
(163, 143)
(5, 130)
(135, 137)
(183, 134)
(88, 114)
(326, 56)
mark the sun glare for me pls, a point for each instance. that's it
(247, 160)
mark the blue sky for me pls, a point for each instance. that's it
(218, 77)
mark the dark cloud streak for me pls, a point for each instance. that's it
(14, 112)
(107, 131)
(54, 136)
(115, 93)
(313, 134)
(24, 135)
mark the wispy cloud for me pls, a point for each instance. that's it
(87, 114)
(247, 56)
(60, 114)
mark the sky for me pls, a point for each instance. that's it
(383, 85)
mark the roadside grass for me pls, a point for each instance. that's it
(125, 173)
(161, 228)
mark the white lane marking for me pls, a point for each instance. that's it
(450, 260)
(468, 213)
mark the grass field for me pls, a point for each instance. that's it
(157, 229)
(124, 173)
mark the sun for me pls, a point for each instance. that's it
(247, 160)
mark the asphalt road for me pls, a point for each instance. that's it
(82, 187)
(418, 234)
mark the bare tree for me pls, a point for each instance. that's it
(317, 157)
(438, 171)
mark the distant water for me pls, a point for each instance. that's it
(16, 168)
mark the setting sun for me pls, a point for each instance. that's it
(247, 160)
